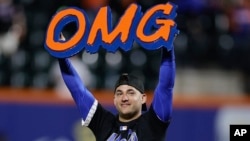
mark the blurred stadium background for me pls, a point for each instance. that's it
(212, 80)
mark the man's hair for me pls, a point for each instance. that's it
(131, 80)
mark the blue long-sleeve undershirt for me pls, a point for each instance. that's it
(163, 94)
(81, 95)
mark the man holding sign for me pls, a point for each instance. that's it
(131, 123)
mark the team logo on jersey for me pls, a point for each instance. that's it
(152, 30)
(131, 136)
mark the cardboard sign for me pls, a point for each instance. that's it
(152, 30)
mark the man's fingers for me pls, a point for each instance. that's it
(62, 38)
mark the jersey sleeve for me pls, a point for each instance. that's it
(103, 123)
(85, 101)
(162, 101)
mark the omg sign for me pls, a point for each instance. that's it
(152, 30)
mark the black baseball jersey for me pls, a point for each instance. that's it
(107, 127)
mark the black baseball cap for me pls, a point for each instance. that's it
(131, 80)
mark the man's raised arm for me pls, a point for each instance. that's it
(85, 101)
(163, 95)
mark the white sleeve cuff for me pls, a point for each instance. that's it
(90, 114)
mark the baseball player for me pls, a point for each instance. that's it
(131, 123)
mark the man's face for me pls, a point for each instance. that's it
(128, 101)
